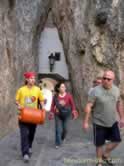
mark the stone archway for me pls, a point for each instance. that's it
(51, 45)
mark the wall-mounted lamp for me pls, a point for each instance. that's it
(51, 61)
(52, 58)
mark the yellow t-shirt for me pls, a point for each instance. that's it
(29, 96)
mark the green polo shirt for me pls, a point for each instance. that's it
(104, 110)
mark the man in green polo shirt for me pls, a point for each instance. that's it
(104, 102)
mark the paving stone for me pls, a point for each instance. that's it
(78, 149)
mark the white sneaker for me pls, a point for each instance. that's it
(26, 158)
(57, 146)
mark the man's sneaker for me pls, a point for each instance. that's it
(108, 160)
(30, 151)
(57, 146)
(26, 158)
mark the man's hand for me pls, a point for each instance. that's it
(75, 114)
(19, 107)
(85, 125)
(51, 116)
(121, 123)
(87, 111)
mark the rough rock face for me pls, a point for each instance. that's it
(92, 33)
(92, 36)
(7, 66)
(30, 19)
(20, 25)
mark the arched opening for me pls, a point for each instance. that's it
(52, 65)
(52, 61)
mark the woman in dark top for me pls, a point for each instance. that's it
(61, 108)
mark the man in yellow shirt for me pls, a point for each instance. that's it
(28, 96)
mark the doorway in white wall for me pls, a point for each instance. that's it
(51, 54)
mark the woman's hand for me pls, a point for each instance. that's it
(51, 116)
(75, 114)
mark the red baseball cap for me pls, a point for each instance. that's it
(29, 74)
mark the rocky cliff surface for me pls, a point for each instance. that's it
(92, 33)
(92, 36)
(21, 23)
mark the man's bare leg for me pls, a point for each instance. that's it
(99, 154)
(109, 148)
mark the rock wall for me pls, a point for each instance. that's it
(92, 36)
(7, 66)
(21, 23)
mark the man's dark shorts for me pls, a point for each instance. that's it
(101, 134)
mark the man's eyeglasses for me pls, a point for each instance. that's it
(108, 79)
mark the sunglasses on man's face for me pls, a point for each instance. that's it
(108, 79)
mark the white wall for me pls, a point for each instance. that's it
(50, 43)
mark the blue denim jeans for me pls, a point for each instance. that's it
(60, 129)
